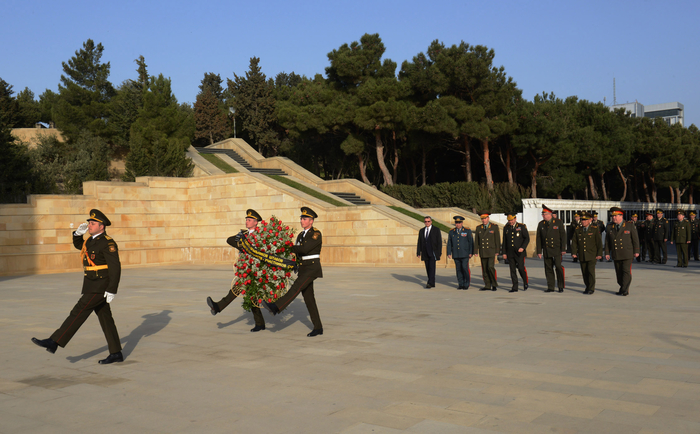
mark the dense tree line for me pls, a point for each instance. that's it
(449, 114)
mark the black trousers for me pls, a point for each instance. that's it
(257, 314)
(517, 265)
(464, 276)
(87, 304)
(694, 249)
(488, 270)
(645, 247)
(623, 271)
(682, 253)
(660, 252)
(305, 285)
(588, 273)
(430, 269)
(551, 265)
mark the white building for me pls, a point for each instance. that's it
(672, 112)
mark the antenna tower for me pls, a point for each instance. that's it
(614, 94)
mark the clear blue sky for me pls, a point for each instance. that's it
(651, 48)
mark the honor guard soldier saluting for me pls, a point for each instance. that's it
(307, 250)
(514, 248)
(487, 239)
(570, 233)
(694, 235)
(551, 243)
(661, 235)
(588, 248)
(647, 241)
(681, 236)
(622, 243)
(252, 218)
(460, 247)
(102, 270)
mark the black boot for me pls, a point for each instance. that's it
(49, 344)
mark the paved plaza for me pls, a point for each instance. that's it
(395, 357)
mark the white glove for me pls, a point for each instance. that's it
(81, 229)
(109, 296)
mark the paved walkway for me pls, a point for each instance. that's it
(395, 357)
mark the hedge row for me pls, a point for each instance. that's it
(470, 196)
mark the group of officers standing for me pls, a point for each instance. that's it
(588, 240)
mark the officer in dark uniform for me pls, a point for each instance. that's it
(622, 243)
(460, 247)
(694, 235)
(576, 223)
(514, 248)
(551, 242)
(252, 218)
(102, 271)
(681, 237)
(598, 224)
(648, 240)
(307, 250)
(487, 239)
(661, 235)
(588, 248)
(639, 225)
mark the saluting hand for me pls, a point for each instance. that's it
(81, 229)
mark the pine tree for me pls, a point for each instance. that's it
(212, 124)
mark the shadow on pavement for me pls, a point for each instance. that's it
(152, 324)
(296, 311)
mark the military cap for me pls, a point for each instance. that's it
(308, 212)
(545, 209)
(649, 213)
(634, 215)
(595, 214)
(252, 214)
(616, 211)
(659, 211)
(577, 214)
(692, 212)
(681, 212)
(484, 214)
(511, 216)
(586, 216)
(458, 219)
(98, 216)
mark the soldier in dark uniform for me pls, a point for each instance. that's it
(102, 271)
(681, 237)
(601, 227)
(514, 248)
(429, 248)
(694, 235)
(487, 239)
(640, 226)
(252, 218)
(551, 242)
(648, 240)
(460, 248)
(588, 248)
(307, 250)
(570, 233)
(622, 243)
(661, 234)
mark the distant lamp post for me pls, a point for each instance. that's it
(233, 113)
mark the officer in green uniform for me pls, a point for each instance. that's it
(588, 248)
(487, 239)
(514, 248)
(252, 218)
(681, 237)
(551, 243)
(661, 235)
(460, 247)
(307, 250)
(694, 235)
(102, 271)
(575, 223)
(622, 243)
(648, 240)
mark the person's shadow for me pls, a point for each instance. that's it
(152, 324)
(296, 311)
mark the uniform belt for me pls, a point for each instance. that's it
(306, 258)
(95, 268)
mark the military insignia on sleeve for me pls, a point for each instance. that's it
(92, 256)
(315, 237)
(112, 248)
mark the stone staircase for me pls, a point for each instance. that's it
(240, 160)
(350, 197)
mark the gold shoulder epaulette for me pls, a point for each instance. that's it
(107, 237)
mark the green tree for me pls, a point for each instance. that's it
(211, 123)
(9, 107)
(124, 107)
(84, 93)
(30, 112)
(15, 167)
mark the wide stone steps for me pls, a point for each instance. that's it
(350, 197)
(242, 161)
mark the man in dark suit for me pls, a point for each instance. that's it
(460, 247)
(551, 243)
(307, 250)
(102, 271)
(515, 241)
(622, 243)
(252, 218)
(588, 248)
(487, 240)
(429, 249)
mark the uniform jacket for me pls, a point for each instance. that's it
(514, 238)
(487, 240)
(101, 250)
(649, 226)
(622, 244)
(600, 224)
(460, 243)
(661, 229)
(435, 242)
(572, 228)
(586, 245)
(641, 226)
(306, 246)
(694, 229)
(681, 232)
(551, 238)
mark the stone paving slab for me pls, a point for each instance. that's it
(395, 357)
